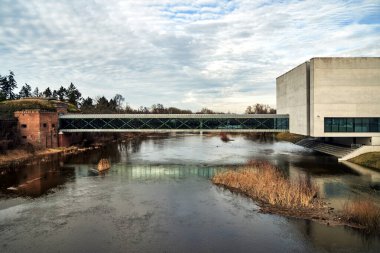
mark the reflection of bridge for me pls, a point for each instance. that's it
(173, 122)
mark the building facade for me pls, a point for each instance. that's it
(334, 98)
(38, 127)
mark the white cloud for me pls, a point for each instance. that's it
(223, 55)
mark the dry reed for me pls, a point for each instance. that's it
(264, 182)
(224, 137)
(364, 213)
(104, 164)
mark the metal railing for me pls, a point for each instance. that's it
(173, 122)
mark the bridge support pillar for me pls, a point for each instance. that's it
(64, 140)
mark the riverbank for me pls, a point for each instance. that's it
(22, 155)
(370, 160)
(289, 137)
(297, 198)
(19, 156)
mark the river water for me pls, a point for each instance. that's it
(157, 197)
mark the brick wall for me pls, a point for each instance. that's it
(38, 128)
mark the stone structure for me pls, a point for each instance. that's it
(38, 127)
(333, 98)
(41, 127)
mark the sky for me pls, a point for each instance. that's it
(219, 54)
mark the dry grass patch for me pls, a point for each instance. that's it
(285, 136)
(371, 160)
(265, 183)
(364, 213)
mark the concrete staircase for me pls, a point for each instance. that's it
(326, 148)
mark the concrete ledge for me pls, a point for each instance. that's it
(360, 151)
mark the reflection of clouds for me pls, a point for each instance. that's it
(223, 54)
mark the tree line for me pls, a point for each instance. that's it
(100, 104)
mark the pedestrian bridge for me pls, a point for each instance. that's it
(174, 123)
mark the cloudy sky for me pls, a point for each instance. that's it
(220, 54)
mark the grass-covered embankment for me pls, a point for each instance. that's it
(289, 137)
(10, 106)
(371, 160)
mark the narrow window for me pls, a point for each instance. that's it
(350, 125)
(365, 124)
(343, 125)
(358, 125)
(23, 125)
(335, 125)
(44, 125)
(328, 124)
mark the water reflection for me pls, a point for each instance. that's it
(157, 194)
(35, 179)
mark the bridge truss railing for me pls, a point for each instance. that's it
(173, 122)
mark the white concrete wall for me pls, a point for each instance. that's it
(343, 87)
(292, 98)
(375, 141)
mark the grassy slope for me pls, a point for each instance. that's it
(289, 137)
(371, 160)
(24, 104)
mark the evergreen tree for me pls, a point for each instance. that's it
(3, 82)
(12, 84)
(26, 91)
(47, 93)
(61, 93)
(102, 105)
(73, 94)
(54, 94)
(87, 105)
(36, 93)
(2, 96)
(88, 102)
(7, 85)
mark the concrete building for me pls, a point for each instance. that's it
(336, 99)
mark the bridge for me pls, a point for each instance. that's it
(173, 123)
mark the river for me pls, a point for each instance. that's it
(157, 197)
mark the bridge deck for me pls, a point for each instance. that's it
(173, 122)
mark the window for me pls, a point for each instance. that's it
(53, 125)
(328, 124)
(352, 125)
(44, 125)
(24, 137)
(23, 125)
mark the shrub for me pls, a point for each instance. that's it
(363, 212)
(264, 182)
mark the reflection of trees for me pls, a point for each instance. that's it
(35, 179)
(131, 145)
(108, 151)
(259, 137)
